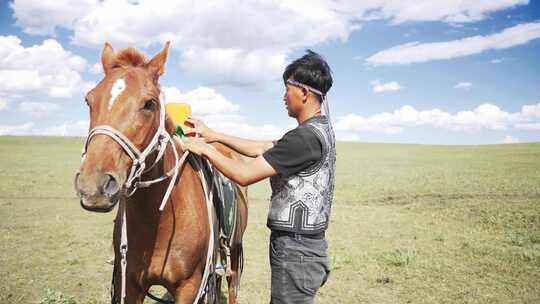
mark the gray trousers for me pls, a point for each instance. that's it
(299, 267)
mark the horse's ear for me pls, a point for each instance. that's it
(156, 66)
(107, 57)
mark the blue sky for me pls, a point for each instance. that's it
(443, 72)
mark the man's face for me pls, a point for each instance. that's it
(293, 98)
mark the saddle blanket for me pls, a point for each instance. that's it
(224, 199)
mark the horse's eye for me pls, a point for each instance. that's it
(150, 105)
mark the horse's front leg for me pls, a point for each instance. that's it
(135, 294)
(186, 292)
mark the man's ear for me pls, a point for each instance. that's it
(305, 93)
(156, 66)
(107, 58)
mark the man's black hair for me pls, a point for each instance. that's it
(312, 70)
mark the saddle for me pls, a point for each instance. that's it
(226, 204)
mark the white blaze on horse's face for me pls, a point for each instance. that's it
(118, 87)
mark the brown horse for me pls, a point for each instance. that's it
(169, 247)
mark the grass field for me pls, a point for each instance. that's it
(410, 224)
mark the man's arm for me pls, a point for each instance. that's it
(241, 172)
(247, 147)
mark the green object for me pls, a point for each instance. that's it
(180, 132)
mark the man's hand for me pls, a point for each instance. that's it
(240, 171)
(195, 145)
(247, 147)
(199, 127)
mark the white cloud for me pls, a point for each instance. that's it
(450, 11)
(485, 116)
(96, 68)
(226, 24)
(19, 129)
(43, 17)
(497, 60)
(379, 87)
(528, 118)
(234, 42)
(3, 105)
(414, 52)
(238, 125)
(530, 111)
(528, 126)
(238, 43)
(37, 109)
(375, 123)
(203, 100)
(43, 68)
(508, 139)
(234, 66)
(463, 85)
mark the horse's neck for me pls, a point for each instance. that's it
(186, 204)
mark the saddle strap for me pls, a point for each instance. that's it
(211, 216)
(123, 252)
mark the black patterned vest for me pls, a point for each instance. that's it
(301, 202)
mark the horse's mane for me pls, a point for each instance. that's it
(129, 57)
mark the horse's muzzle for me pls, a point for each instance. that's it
(97, 193)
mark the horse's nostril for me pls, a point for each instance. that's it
(110, 185)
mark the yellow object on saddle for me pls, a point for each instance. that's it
(179, 112)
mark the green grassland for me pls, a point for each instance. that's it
(410, 224)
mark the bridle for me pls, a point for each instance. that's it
(159, 143)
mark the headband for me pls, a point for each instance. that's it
(305, 86)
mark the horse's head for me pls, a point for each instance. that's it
(126, 103)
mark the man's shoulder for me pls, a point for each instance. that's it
(301, 135)
(307, 129)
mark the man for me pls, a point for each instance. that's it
(301, 168)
